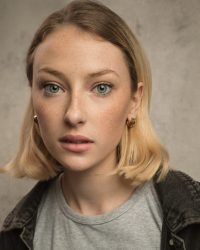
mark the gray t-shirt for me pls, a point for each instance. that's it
(135, 225)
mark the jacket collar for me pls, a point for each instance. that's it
(179, 196)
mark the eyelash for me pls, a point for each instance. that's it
(48, 93)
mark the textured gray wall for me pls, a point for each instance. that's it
(169, 31)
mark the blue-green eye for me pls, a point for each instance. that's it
(103, 88)
(51, 88)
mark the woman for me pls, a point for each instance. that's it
(104, 177)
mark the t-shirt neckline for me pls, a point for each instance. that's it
(96, 219)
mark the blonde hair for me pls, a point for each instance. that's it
(140, 154)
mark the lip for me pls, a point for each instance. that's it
(76, 148)
(75, 139)
(76, 143)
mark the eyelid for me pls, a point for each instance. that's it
(103, 83)
(43, 83)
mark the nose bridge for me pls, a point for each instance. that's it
(75, 99)
(74, 110)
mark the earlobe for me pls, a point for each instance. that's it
(130, 123)
(35, 118)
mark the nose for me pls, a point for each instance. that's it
(74, 114)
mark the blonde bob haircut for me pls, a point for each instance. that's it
(140, 154)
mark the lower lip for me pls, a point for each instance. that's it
(77, 147)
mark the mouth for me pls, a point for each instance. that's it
(76, 143)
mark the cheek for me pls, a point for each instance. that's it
(113, 117)
(48, 114)
(41, 109)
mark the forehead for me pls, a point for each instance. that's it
(71, 47)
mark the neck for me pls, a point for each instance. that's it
(93, 194)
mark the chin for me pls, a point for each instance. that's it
(76, 169)
(76, 166)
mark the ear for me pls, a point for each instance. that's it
(136, 101)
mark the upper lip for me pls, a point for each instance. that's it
(75, 138)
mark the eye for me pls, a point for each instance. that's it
(51, 88)
(103, 88)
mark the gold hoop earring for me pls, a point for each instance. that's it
(35, 118)
(131, 123)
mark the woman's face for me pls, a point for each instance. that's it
(81, 87)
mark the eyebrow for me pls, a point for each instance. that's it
(90, 75)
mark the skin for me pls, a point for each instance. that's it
(75, 103)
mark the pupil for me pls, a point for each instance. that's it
(102, 88)
(54, 88)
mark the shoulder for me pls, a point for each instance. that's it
(177, 182)
(27, 207)
(179, 195)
